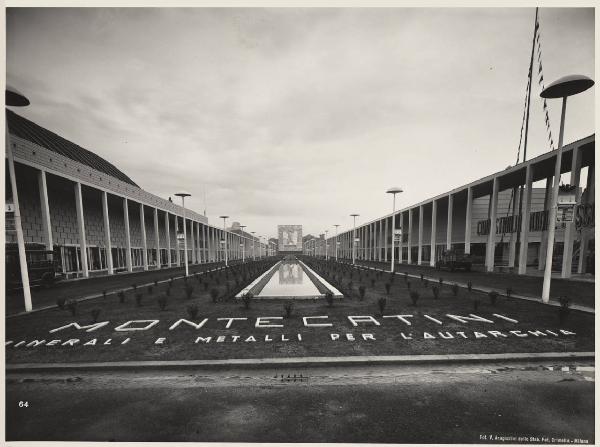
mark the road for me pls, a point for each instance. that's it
(384, 404)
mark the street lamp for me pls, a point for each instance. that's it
(15, 98)
(336, 241)
(393, 191)
(561, 88)
(326, 245)
(183, 195)
(253, 238)
(354, 239)
(224, 237)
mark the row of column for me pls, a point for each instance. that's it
(373, 238)
(206, 241)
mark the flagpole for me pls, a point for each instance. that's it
(521, 187)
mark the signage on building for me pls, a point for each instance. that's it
(9, 207)
(565, 213)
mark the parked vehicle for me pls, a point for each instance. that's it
(41, 266)
(452, 259)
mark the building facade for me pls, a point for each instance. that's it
(72, 201)
(500, 219)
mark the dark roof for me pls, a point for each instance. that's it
(28, 130)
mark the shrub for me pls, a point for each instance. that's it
(121, 296)
(441, 280)
(214, 295)
(150, 290)
(188, 291)
(156, 282)
(564, 309)
(414, 297)
(406, 276)
(247, 298)
(288, 307)
(408, 285)
(138, 299)
(72, 306)
(425, 283)
(361, 292)
(381, 302)
(134, 286)
(192, 311)
(422, 277)
(509, 291)
(436, 292)
(329, 298)
(205, 286)
(60, 302)
(493, 297)
(469, 286)
(168, 291)
(162, 302)
(104, 294)
(372, 282)
(388, 286)
(95, 314)
(455, 289)
(476, 301)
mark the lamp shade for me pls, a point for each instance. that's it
(15, 98)
(567, 86)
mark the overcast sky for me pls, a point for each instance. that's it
(298, 116)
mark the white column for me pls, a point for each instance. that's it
(525, 215)
(385, 240)
(127, 235)
(420, 254)
(468, 219)
(449, 226)
(401, 243)
(567, 260)
(491, 242)
(193, 241)
(410, 223)
(198, 251)
(107, 241)
(589, 198)
(156, 238)
(46, 223)
(544, 236)
(168, 238)
(204, 244)
(17, 217)
(81, 228)
(143, 232)
(512, 242)
(433, 231)
(178, 254)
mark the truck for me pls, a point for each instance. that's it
(41, 266)
(453, 259)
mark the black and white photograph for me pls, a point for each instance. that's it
(366, 223)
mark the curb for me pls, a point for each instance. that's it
(99, 295)
(577, 307)
(399, 360)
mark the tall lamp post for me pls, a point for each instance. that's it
(183, 195)
(253, 252)
(354, 238)
(336, 241)
(561, 88)
(243, 244)
(224, 237)
(15, 98)
(326, 246)
(393, 191)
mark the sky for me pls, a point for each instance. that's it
(298, 115)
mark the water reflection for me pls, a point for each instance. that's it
(289, 281)
(290, 272)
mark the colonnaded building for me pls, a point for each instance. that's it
(72, 201)
(482, 218)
